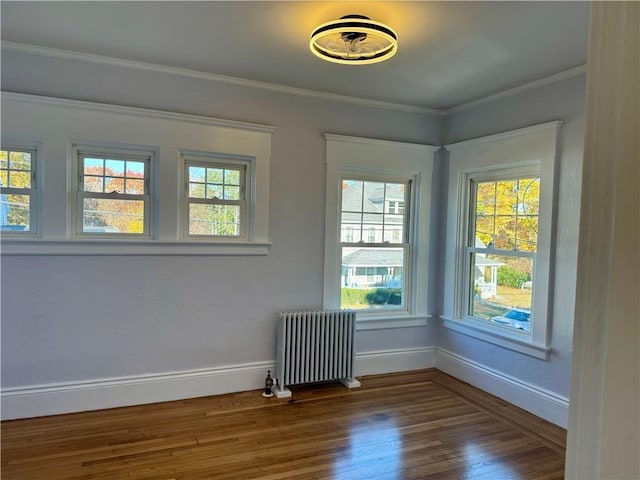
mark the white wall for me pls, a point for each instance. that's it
(82, 318)
(560, 101)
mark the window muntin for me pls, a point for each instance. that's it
(501, 250)
(113, 194)
(17, 190)
(373, 244)
(216, 199)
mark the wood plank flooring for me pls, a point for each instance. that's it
(413, 425)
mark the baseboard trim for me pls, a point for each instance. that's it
(68, 397)
(534, 399)
(391, 361)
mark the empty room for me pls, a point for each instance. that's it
(320, 240)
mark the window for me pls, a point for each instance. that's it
(372, 271)
(377, 230)
(501, 250)
(215, 199)
(498, 262)
(113, 193)
(17, 190)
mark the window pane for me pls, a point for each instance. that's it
(215, 175)
(214, 220)
(93, 184)
(19, 179)
(93, 166)
(527, 236)
(501, 290)
(373, 197)
(4, 164)
(232, 177)
(196, 190)
(135, 169)
(214, 191)
(196, 174)
(20, 161)
(372, 278)
(14, 212)
(112, 185)
(114, 168)
(231, 193)
(4, 179)
(135, 186)
(352, 196)
(112, 216)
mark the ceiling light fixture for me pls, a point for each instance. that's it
(354, 40)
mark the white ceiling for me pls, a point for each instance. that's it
(450, 53)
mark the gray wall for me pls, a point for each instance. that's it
(560, 101)
(74, 318)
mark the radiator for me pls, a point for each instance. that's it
(315, 347)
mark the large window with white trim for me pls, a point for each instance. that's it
(113, 196)
(18, 182)
(498, 262)
(374, 243)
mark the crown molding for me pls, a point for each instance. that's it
(541, 82)
(140, 112)
(213, 77)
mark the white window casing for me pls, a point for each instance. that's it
(355, 157)
(521, 153)
(60, 128)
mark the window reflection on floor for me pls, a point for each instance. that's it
(481, 462)
(374, 451)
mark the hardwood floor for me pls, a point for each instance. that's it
(414, 425)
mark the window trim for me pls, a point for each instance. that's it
(526, 151)
(209, 160)
(369, 158)
(35, 192)
(167, 134)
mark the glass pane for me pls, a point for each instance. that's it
(135, 187)
(93, 166)
(196, 190)
(484, 231)
(502, 289)
(3, 178)
(93, 184)
(527, 236)
(372, 278)
(506, 197)
(231, 193)
(113, 185)
(112, 216)
(135, 169)
(232, 177)
(4, 164)
(20, 161)
(114, 168)
(214, 220)
(352, 196)
(19, 179)
(196, 174)
(505, 232)
(374, 197)
(528, 196)
(215, 175)
(214, 191)
(14, 212)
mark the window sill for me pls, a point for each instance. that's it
(383, 322)
(476, 329)
(100, 246)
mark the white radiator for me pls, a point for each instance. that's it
(315, 347)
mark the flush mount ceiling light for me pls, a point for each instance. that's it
(354, 40)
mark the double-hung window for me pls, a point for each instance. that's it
(377, 230)
(498, 262)
(113, 195)
(18, 190)
(374, 243)
(501, 248)
(216, 198)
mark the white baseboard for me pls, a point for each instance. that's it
(68, 397)
(534, 399)
(391, 361)
(53, 399)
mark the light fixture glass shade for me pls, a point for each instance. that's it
(354, 40)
